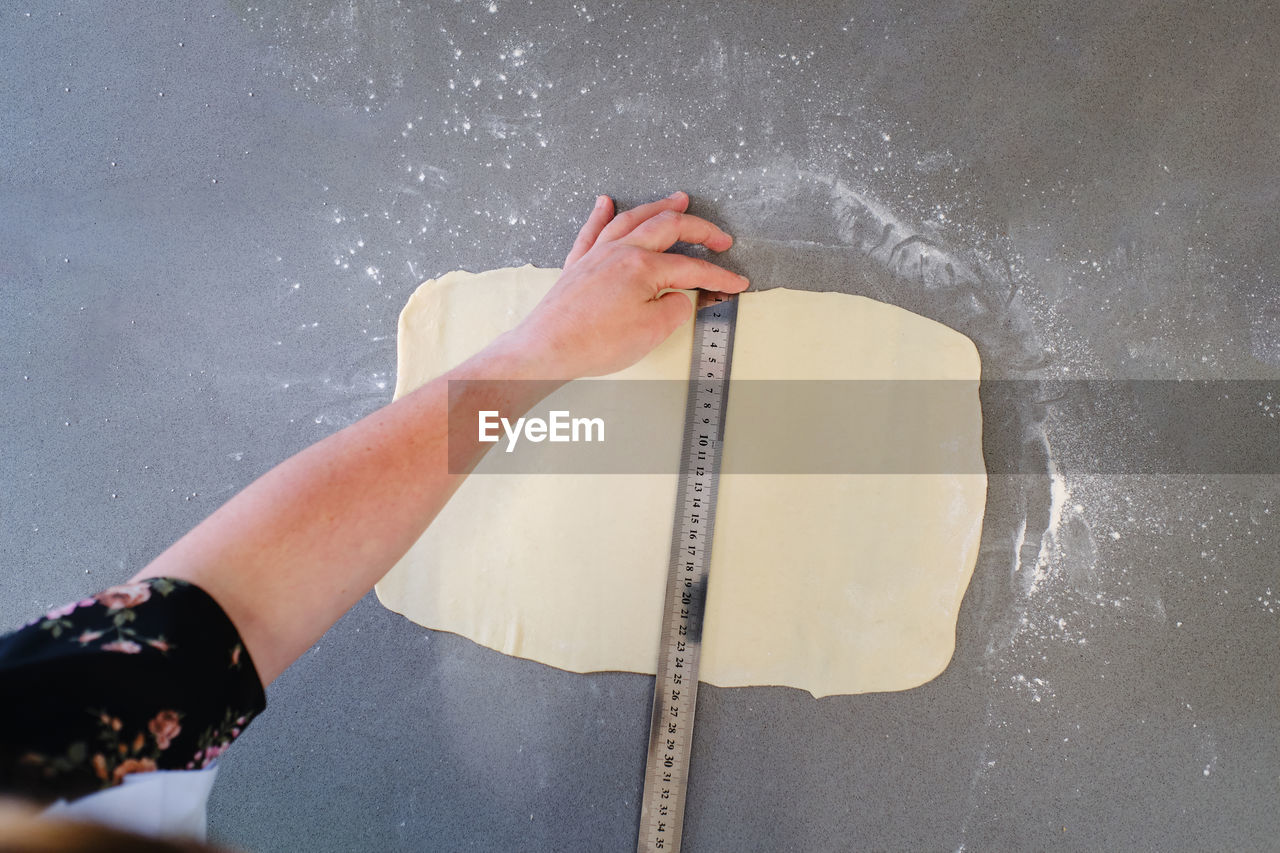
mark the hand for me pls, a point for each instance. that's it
(607, 310)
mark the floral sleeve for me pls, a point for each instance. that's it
(145, 676)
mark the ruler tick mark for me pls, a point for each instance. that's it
(675, 688)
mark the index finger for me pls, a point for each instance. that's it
(685, 273)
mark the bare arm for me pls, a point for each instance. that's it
(292, 552)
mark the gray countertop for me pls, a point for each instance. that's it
(211, 214)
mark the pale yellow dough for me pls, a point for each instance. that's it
(828, 583)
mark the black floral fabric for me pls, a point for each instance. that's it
(145, 676)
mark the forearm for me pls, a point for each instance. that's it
(292, 552)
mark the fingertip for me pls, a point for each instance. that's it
(731, 283)
(718, 242)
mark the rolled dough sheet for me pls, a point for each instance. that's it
(834, 584)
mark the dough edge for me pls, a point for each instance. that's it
(511, 644)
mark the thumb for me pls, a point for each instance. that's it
(675, 309)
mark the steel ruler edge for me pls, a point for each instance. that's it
(675, 689)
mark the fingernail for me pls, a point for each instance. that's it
(676, 194)
(745, 280)
(601, 201)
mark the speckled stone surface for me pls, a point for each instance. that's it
(211, 213)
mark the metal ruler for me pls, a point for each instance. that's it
(675, 690)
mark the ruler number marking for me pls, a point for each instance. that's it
(675, 689)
